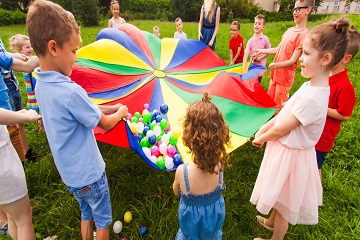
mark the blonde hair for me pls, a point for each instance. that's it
(261, 17)
(17, 41)
(206, 134)
(209, 9)
(47, 21)
(237, 24)
(114, 2)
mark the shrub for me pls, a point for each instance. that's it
(11, 17)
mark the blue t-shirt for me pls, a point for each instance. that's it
(5, 64)
(69, 117)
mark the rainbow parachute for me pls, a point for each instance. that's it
(134, 67)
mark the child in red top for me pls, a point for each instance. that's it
(341, 101)
(236, 44)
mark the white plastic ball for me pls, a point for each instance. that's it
(117, 227)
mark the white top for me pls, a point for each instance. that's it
(180, 36)
(309, 105)
(12, 177)
(114, 24)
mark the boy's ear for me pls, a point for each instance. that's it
(52, 47)
(347, 58)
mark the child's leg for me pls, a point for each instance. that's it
(280, 227)
(23, 137)
(20, 217)
(103, 234)
(87, 230)
(16, 141)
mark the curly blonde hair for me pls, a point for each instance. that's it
(17, 41)
(206, 134)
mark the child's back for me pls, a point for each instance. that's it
(200, 184)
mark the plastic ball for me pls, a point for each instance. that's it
(127, 217)
(153, 158)
(168, 127)
(147, 151)
(139, 136)
(157, 130)
(176, 131)
(133, 127)
(140, 119)
(144, 112)
(152, 139)
(144, 142)
(162, 148)
(163, 124)
(170, 151)
(134, 119)
(165, 139)
(149, 132)
(155, 112)
(137, 114)
(129, 116)
(155, 151)
(152, 125)
(124, 239)
(169, 163)
(143, 231)
(117, 227)
(177, 159)
(146, 106)
(158, 118)
(140, 127)
(173, 140)
(147, 117)
(160, 162)
(164, 108)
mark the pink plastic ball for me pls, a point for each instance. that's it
(155, 151)
(129, 116)
(146, 106)
(170, 151)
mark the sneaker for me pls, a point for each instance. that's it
(3, 230)
(30, 156)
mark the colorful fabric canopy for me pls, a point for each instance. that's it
(134, 67)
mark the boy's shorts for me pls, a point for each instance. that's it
(15, 137)
(320, 157)
(14, 93)
(94, 200)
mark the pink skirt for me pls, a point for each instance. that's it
(289, 182)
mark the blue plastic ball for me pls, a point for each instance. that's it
(164, 108)
(143, 231)
(158, 118)
(152, 139)
(177, 160)
(155, 112)
(139, 136)
(146, 128)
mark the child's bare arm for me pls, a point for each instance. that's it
(246, 55)
(107, 122)
(9, 117)
(268, 51)
(106, 109)
(333, 113)
(176, 184)
(294, 58)
(28, 66)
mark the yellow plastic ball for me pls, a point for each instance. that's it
(127, 217)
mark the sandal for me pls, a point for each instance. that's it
(3, 230)
(262, 222)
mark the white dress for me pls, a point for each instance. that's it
(12, 176)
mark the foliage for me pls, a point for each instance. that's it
(241, 9)
(11, 17)
(147, 193)
(188, 10)
(287, 5)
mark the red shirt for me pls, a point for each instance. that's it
(234, 44)
(343, 99)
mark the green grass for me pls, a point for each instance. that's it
(147, 193)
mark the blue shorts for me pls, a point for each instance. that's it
(94, 200)
(320, 157)
(14, 93)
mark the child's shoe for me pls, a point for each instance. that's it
(30, 156)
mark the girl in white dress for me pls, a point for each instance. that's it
(288, 181)
(116, 20)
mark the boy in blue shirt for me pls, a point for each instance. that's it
(69, 116)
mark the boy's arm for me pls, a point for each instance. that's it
(231, 57)
(105, 109)
(294, 58)
(9, 117)
(107, 122)
(28, 66)
(236, 55)
(268, 51)
(333, 113)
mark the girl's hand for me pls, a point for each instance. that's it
(210, 44)
(199, 36)
(257, 143)
(32, 115)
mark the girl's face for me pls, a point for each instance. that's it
(310, 60)
(115, 9)
(26, 48)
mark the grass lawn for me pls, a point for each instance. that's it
(147, 193)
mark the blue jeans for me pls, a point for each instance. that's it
(14, 93)
(94, 200)
(320, 157)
